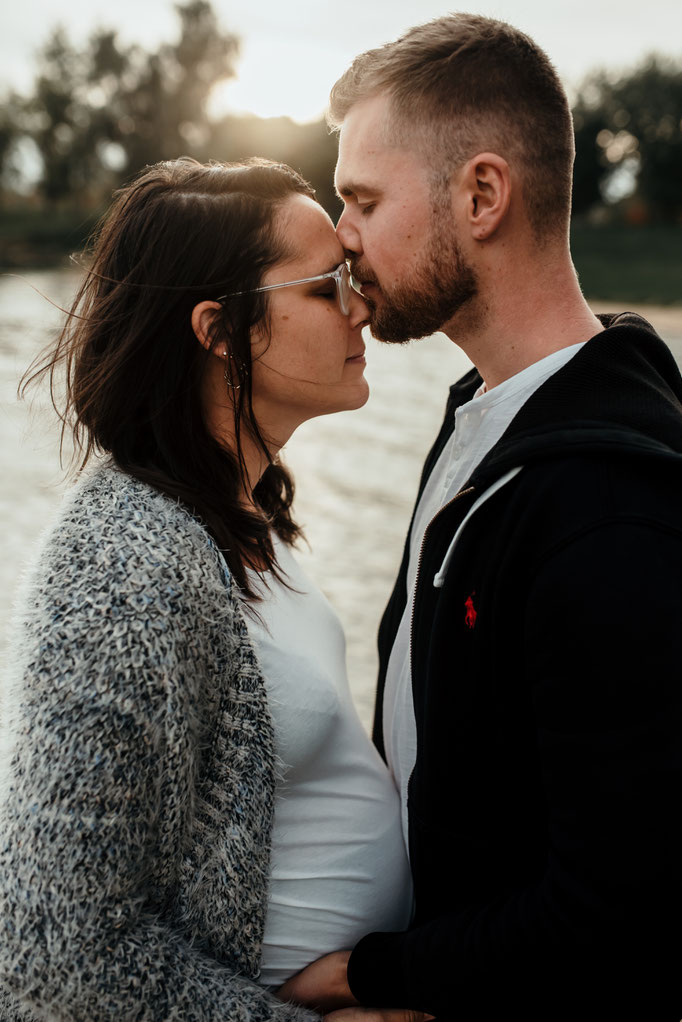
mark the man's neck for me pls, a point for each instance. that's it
(522, 318)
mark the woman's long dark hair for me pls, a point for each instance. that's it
(180, 233)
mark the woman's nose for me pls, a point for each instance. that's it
(358, 313)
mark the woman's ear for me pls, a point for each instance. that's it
(488, 186)
(203, 318)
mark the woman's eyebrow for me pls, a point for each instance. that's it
(309, 276)
(333, 266)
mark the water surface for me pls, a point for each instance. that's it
(356, 472)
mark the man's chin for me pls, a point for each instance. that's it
(385, 325)
(392, 331)
(414, 319)
(393, 338)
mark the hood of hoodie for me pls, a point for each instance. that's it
(620, 394)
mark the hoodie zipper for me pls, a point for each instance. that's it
(462, 493)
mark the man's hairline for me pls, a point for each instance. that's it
(438, 171)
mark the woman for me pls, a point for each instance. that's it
(182, 830)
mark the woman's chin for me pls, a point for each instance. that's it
(358, 399)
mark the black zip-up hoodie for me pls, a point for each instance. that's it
(545, 807)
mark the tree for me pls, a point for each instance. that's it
(162, 106)
(104, 112)
(629, 138)
(10, 133)
(589, 169)
(55, 118)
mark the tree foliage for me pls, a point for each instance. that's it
(105, 111)
(99, 113)
(10, 134)
(57, 119)
(629, 139)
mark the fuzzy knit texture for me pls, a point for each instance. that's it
(138, 775)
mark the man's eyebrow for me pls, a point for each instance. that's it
(347, 191)
(351, 188)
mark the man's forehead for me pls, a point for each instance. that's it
(356, 184)
(354, 176)
(360, 146)
(368, 165)
(365, 123)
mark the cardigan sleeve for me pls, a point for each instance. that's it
(594, 937)
(105, 736)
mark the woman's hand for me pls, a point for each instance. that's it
(322, 985)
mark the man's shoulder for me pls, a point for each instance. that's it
(600, 490)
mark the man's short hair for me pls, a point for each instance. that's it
(465, 84)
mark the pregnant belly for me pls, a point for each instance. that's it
(339, 871)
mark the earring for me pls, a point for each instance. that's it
(226, 375)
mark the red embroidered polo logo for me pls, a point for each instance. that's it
(471, 614)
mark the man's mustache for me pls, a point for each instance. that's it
(362, 273)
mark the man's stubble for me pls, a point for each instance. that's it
(441, 284)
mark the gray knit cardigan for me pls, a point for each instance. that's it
(137, 776)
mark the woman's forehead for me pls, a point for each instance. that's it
(309, 235)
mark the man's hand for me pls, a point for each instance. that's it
(322, 985)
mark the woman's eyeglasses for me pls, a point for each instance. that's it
(342, 276)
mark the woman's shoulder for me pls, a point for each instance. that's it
(120, 503)
(122, 561)
(114, 525)
(126, 588)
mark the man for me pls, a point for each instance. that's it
(529, 699)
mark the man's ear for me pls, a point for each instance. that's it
(486, 182)
(203, 317)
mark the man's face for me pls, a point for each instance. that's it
(398, 230)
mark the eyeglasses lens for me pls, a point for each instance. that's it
(343, 289)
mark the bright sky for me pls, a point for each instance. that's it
(293, 50)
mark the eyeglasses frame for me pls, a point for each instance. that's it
(335, 275)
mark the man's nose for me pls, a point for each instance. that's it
(348, 234)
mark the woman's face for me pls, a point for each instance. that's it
(312, 362)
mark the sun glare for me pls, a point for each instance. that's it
(278, 81)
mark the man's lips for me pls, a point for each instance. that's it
(367, 284)
(364, 277)
(370, 291)
(359, 356)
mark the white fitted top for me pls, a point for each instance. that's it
(339, 867)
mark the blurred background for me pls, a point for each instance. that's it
(90, 92)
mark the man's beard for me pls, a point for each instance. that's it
(442, 282)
